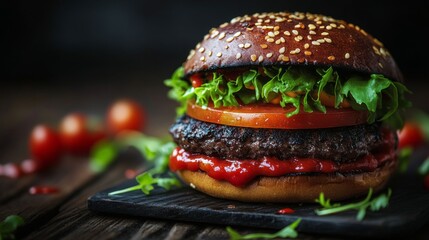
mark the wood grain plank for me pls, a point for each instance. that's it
(73, 220)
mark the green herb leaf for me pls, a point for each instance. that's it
(375, 93)
(287, 232)
(9, 225)
(404, 159)
(377, 203)
(102, 155)
(146, 182)
(159, 152)
(424, 167)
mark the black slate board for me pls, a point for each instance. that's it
(407, 212)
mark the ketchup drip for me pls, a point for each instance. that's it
(240, 172)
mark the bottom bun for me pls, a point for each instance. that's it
(304, 188)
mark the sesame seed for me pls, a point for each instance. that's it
(309, 37)
(237, 34)
(322, 27)
(307, 53)
(224, 25)
(230, 39)
(270, 39)
(276, 28)
(298, 38)
(264, 46)
(328, 40)
(331, 58)
(312, 32)
(221, 35)
(247, 45)
(321, 40)
(227, 46)
(295, 32)
(253, 57)
(282, 39)
(201, 50)
(206, 37)
(198, 45)
(280, 20)
(333, 25)
(282, 50)
(203, 58)
(271, 34)
(306, 46)
(261, 58)
(240, 45)
(287, 33)
(219, 54)
(378, 42)
(324, 33)
(269, 55)
(297, 26)
(238, 56)
(319, 22)
(276, 33)
(285, 58)
(311, 26)
(347, 55)
(214, 34)
(381, 65)
(341, 26)
(328, 27)
(260, 20)
(267, 21)
(297, 50)
(210, 53)
(278, 41)
(383, 52)
(315, 43)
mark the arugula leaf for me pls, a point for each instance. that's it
(159, 154)
(424, 167)
(9, 225)
(287, 232)
(102, 155)
(404, 159)
(146, 182)
(297, 86)
(377, 203)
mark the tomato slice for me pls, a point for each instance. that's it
(274, 116)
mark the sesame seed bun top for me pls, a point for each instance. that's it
(284, 38)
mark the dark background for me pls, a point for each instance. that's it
(64, 56)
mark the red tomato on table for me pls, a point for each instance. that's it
(45, 146)
(79, 133)
(411, 135)
(125, 115)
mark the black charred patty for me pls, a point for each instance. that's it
(342, 144)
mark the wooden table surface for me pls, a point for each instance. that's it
(64, 215)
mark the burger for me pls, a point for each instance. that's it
(280, 107)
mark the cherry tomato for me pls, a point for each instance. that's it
(274, 116)
(79, 133)
(411, 135)
(45, 146)
(125, 115)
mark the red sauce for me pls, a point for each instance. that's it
(43, 190)
(240, 172)
(286, 211)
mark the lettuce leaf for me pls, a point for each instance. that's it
(298, 87)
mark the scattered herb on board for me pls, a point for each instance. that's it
(157, 152)
(375, 204)
(287, 232)
(9, 225)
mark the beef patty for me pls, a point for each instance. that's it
(342, 144)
